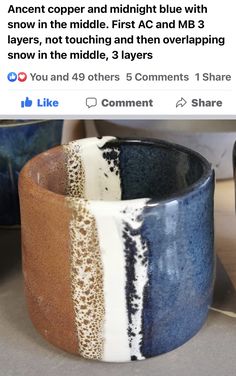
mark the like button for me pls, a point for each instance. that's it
(26, 103)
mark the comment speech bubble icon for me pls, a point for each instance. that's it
(91, 102)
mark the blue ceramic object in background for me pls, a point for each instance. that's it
(19, 143)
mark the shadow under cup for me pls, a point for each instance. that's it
(118, 246)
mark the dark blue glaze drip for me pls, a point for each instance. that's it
(18, 145)
(112, 158)
(131, 256)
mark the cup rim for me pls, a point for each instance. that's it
(207, 174)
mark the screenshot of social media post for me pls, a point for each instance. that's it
(117, 59)
(117, 188)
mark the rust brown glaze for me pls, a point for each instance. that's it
(86, 264)
(46, 252)
(86, 280)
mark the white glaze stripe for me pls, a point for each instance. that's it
(97, 171)
(116, 342)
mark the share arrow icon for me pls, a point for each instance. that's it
(181, 102)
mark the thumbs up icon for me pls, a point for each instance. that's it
(26, 103)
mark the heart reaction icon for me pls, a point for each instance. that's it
(22, 76)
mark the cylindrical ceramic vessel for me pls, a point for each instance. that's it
(19, 142)
(117, 242)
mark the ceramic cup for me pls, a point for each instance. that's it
(118, 246)
(19, 142)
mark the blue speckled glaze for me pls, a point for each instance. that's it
(18, 144)
(176, 226)
(181, 265)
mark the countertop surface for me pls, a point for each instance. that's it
(211, 352)
(225, 226)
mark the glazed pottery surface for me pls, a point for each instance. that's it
(118, 246)
(19, 142)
